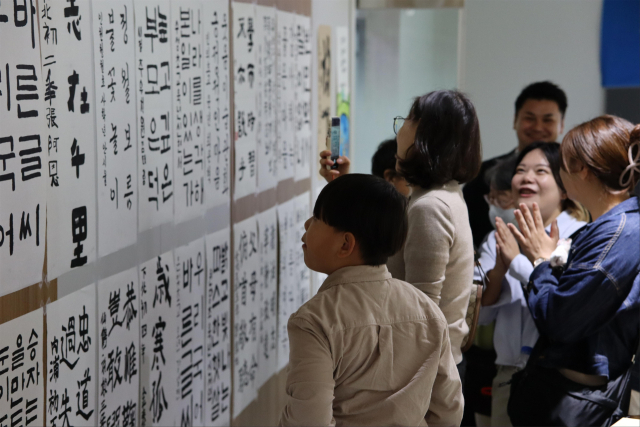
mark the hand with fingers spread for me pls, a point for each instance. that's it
(506, 243)
(329, 174)
(534, 241)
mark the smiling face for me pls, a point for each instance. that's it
(538, 120)
(533, 182)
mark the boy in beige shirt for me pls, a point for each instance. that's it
(367, 349)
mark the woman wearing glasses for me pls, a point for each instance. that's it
(438, 150)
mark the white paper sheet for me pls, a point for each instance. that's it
(303, 97)
(70, 104)
(245, 313)
(268, 289)
(285, 116)
(217, 109)
(303, 274)
(154, 86)
(158, 342)
(115, 112)
(190, 276)
(119, 338)
(188, 106)
(21, 371)
(266, 101)
(218, 338)
(245, 92)
(287, 286)
(23, 148)
(72, 355)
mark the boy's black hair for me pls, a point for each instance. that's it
(543, 91)
(371, 209)
(499, 176)
(384, 158)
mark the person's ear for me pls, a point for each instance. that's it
(389, 174)
(584, 173)
(348, 245)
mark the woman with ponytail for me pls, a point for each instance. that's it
(587, 311)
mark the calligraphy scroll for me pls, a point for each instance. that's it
(302, 36)
(288, 289)
(115, 112)
(285, 94)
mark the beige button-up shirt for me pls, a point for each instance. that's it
(370, 350)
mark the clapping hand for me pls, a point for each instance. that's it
(534, 241)
(506, 245)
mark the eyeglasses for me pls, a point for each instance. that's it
(397, 123)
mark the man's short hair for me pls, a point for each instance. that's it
(371, 209)
(543, 91)
(384, 158)
(447, 142)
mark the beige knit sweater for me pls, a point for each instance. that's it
(437, 257)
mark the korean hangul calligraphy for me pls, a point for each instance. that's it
(268, 284)
(190, 277)
(115, 66)
(158, 335)
(245, 313)
(119, 352)
(69, 102)
(72, 354)
(218, 329)
(23, 154)
(188, 117)
(217, 102)
(245, 99)
(21, 371)
(154, 86)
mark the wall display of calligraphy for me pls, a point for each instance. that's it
(69, 100)
(190, 276)
(266, 97)
(158, 342)
(244, 98)
(218, 329)
(217, 102)
(268, 296)
(23, 155)
(153, 78)
(302, 114)
(119, 338)
(324, 87)
(188, 128)
(285, 81)
(115, 112)
(72, 351)
(21, 371)
(246, 306)
(287, 287)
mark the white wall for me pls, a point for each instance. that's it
(402, 53)
(507, 44)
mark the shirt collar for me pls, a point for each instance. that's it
(356, 274)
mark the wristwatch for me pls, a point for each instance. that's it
(539, 261)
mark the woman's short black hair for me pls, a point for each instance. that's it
(447, 143)
(368, 207)
(384, 158)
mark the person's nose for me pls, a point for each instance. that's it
(538, 125)
(529, 177)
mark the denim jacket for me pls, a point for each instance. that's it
(590, 312)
